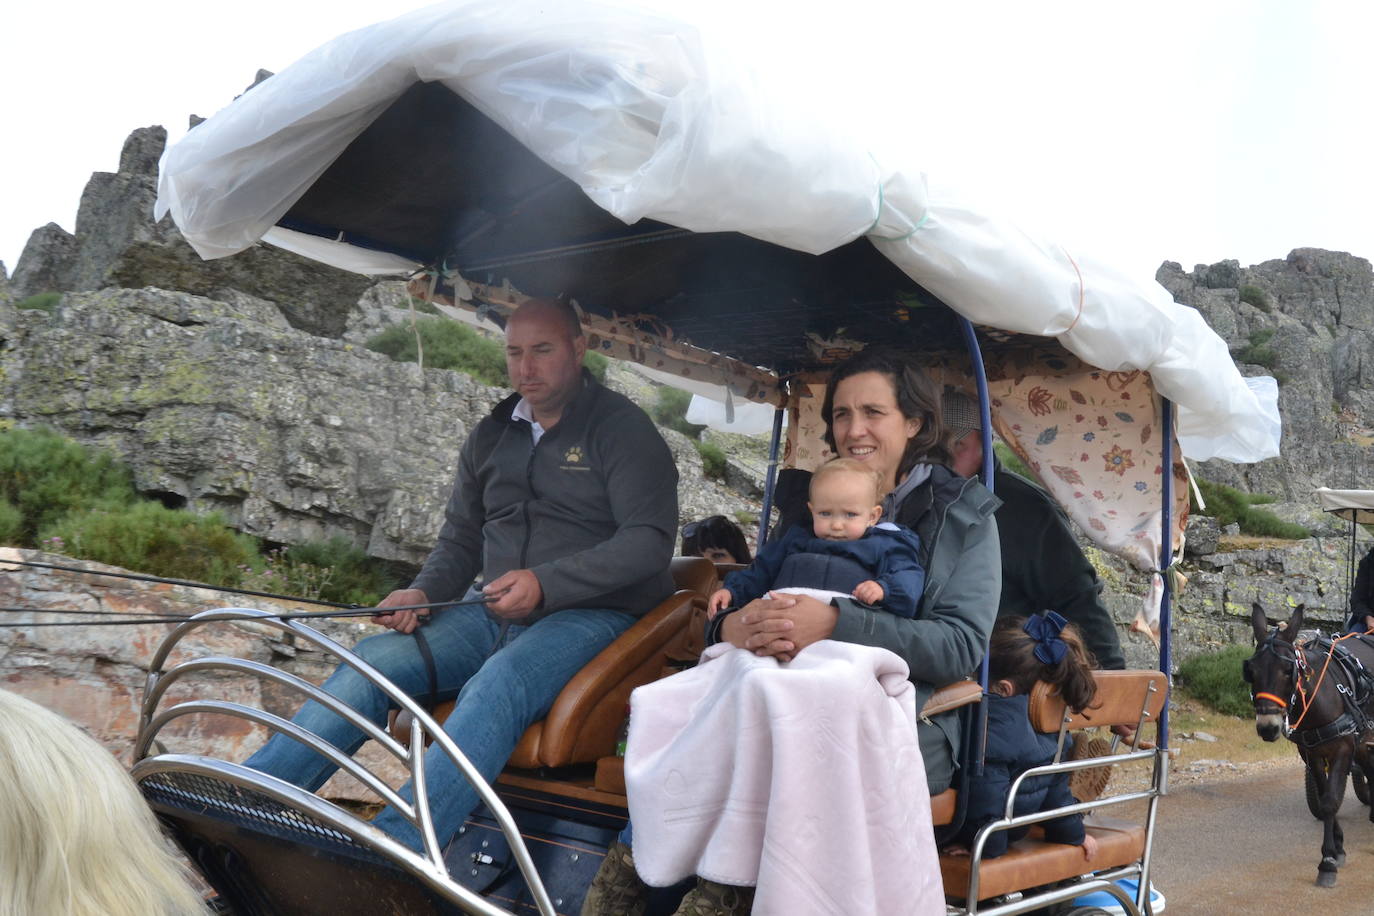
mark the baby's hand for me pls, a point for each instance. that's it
(1089, 847)
(720, 599)
(869, 592)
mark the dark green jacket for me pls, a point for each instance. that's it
(1043, 567)
(591, 510)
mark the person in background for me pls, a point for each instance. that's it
(1362, 597)
(717, 539)
(1043, 568)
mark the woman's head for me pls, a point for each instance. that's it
(75, 835)
(1044, 647)
(881, 409)
(717, 539)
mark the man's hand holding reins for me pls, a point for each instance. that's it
(514, 595)
(401, 621)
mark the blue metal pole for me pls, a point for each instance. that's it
(980, 378)
(766, 517)
(1166, 559)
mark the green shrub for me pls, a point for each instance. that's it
(45, 476)
(11, 523)
(712, 460)
(1012, 461)
(596, 364)
(745, 518)
(1256, 297)
(671, 411)
(349, 575)
(1214, 678)
(151, 538)
(447, 345)
(1231, 506)
(423, 306)
(43, 302)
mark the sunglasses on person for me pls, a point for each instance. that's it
(691, 528)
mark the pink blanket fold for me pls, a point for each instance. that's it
(804, 779)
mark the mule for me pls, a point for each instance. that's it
(1319, 695)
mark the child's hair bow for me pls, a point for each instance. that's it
(1045, 629)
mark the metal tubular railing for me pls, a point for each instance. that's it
(424, 725)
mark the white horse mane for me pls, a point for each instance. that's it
(75, 835)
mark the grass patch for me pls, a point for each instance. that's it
(1231, 506)
(712, 460)
(1214, 678)
(745, 518)
(42, 302)
(1256, 297)
(447, 345)
(670, 410)
(1258, 352)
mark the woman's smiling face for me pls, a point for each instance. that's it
(869, 426)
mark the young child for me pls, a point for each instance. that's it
(846, 553)
(1022, 651)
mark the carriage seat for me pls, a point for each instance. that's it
(582, 724)
(1031, 861)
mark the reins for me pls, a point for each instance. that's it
(1299, 667)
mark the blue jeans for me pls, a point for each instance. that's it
(503, 682)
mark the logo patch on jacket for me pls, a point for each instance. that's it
(574, 460)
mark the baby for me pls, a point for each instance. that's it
(847, 552)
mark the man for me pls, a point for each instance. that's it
(566, 503)
(1043, 568)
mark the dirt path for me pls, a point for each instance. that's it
(1244, 842)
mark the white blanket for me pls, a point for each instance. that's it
(804, 779)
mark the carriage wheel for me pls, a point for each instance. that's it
(1314, 791)
(1361, 784)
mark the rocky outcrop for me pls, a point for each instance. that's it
(1308, 320)
(222, 405)
(117, 243)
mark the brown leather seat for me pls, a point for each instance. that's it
(1123, 698)
(582, 724)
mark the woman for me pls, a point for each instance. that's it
(881, 410)
(717, 539)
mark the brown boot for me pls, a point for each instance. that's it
(616, 890)
(711, 899)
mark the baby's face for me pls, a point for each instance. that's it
(842, 506)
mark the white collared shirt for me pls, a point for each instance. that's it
(522, 411)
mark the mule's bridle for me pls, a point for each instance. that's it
(1289, 654)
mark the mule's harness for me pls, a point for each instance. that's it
(1355, 693)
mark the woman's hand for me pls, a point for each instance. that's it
(781, 626)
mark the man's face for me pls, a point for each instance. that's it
(544, 361)
(967, 455)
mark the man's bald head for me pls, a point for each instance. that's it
(544, 350)
(551, 310)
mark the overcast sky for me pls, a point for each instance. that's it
(1169, 131)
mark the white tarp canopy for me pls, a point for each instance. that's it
(667, 115)
(1352, 505)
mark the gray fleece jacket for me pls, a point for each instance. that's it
(591, 510)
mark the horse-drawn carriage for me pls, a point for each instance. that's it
(713, 229)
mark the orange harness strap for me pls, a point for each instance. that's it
(1272, 698)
